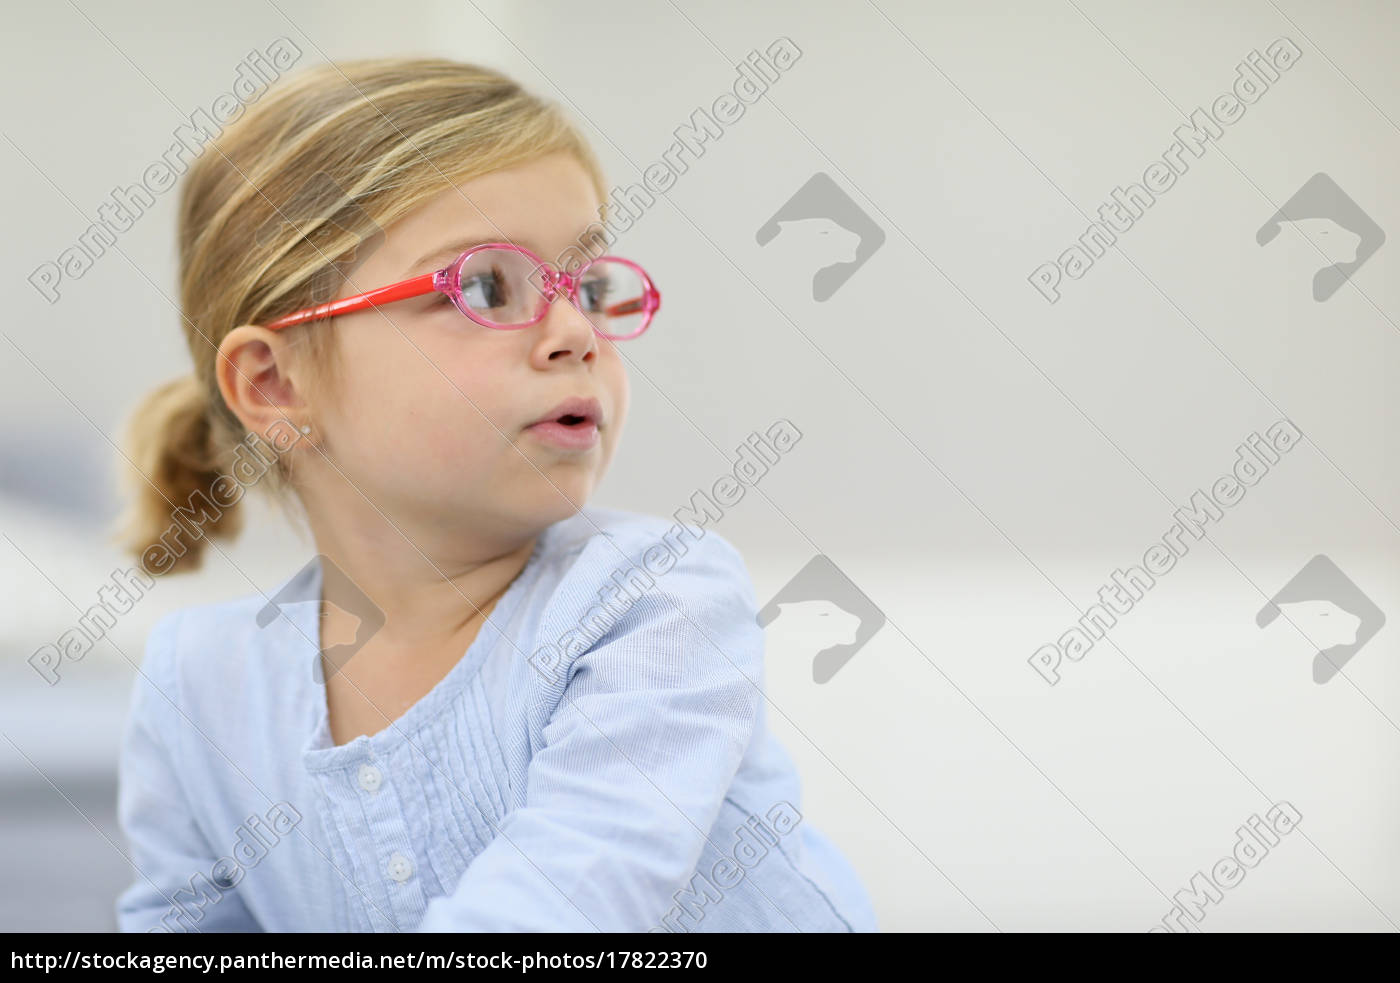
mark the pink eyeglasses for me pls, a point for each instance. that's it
(504, 286)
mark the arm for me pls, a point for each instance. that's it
(638, 756)
(172, 889)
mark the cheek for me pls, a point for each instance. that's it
(614, 378)
(457, 421)
(612, 375)
(421, 412)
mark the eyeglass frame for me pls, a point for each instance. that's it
(448, 281)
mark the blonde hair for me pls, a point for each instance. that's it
(270, 217)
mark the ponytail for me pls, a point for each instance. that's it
(172, 444)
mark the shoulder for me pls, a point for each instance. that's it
(625, 580)
(158, 670)
(193, 634)
(667, 555)
(217, 649)
(600, 530)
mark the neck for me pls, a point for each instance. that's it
(427, 600)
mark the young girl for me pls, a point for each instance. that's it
(481, 706)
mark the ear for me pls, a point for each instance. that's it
(254, 375)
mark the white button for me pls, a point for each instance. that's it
(370, 778)
(399, 868)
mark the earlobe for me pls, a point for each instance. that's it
(252, 371)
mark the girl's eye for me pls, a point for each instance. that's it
(595, 292)
(486, 290)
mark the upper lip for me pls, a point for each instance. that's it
(589, 409)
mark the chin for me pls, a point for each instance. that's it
(548, 501)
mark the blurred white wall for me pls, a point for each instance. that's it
(977, 460)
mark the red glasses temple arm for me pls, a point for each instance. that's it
(627, 307)
(403, 290)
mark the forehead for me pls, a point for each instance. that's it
(545, 205)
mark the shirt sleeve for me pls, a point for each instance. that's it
(173, 865)
(638, 756)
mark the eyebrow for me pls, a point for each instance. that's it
(439, 256)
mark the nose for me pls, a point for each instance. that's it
(565, 335)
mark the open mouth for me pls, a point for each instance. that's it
(572, 425)
(576, 411)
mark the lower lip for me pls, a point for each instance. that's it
(579, 437)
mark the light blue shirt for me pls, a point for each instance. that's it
(598, 760)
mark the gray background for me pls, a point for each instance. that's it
(978, 461)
